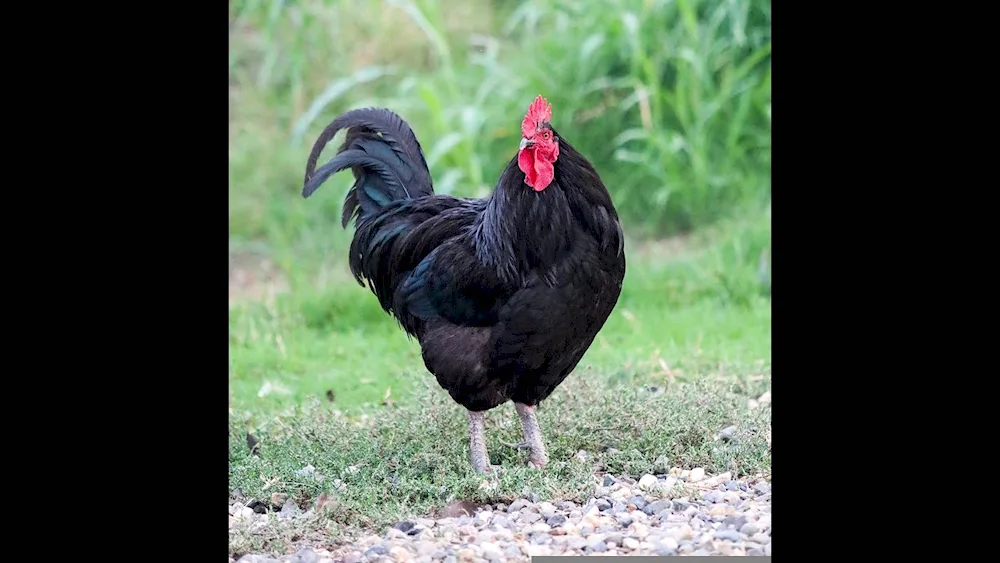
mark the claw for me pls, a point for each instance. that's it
(522, 445)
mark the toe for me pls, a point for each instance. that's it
(537, 463)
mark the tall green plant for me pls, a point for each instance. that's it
(672, 98)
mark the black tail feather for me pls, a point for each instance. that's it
(382, 152)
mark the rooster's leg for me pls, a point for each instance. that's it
(532, 435)
(477, 441)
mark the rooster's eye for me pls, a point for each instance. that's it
(545, 135)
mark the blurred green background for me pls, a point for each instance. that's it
(670, 99)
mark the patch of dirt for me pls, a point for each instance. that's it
(456, 509)
(253, 277)
(662, 248)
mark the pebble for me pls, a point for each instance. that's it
(647, 482)
(761, 538)
(531, 517)
(539, 528)
(736, 522)
(546, 509)
(657, 507)
(502, 521)
(721, 516)
(399, 553)
(730, 535)
(727, 433)
(288, 510)
(637, 501)
(518, 505)
(492, 551)
(665, 549)
(597, 544)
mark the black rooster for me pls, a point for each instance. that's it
(505, 294)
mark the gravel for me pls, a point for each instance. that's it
(679, 513)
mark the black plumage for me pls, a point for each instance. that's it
(506, 293)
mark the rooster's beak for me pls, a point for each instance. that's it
(524, 143)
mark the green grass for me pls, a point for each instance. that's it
(340, 341)
(704, 306)
(411, 460)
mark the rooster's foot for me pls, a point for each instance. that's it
(537, 465)
(538, 460)
(532, 436)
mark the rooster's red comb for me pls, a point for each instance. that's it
(539, 111)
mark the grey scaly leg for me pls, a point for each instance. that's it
(532, 435)
(477, 441)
